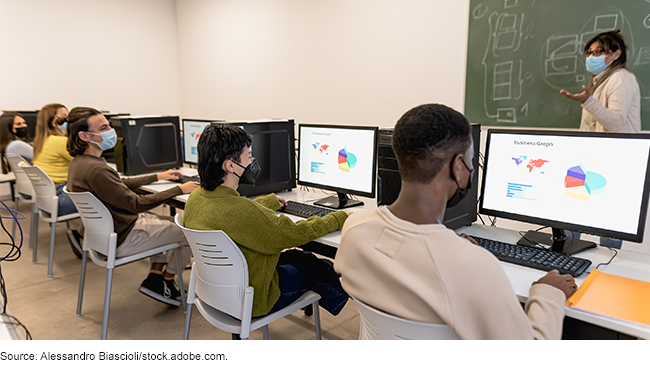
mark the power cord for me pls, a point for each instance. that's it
(615, 251)
(13, 255)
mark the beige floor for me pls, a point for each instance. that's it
(47, 306)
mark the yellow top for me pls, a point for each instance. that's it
(54, 158)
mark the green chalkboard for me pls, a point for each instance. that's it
(521, 53)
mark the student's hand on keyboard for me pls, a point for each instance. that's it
(283, 202)
(465, 236)
(170, 175)
(566, 283)
(189, 186)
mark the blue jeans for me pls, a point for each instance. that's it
(300, 271)
(66, 206)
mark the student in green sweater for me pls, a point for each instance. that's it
(279, 278)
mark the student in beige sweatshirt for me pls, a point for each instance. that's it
(401, 259)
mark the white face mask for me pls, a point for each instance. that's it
(109, 138)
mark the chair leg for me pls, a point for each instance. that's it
(179, 274)
(188, 317)
(82, 281)
(35, 218)
(33, 227)
(107, 302)
(51, 261)
(317, 320)
(265, 332)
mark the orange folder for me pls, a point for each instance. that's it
(613, 296)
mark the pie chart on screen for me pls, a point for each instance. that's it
(581, 184)
(347, 160)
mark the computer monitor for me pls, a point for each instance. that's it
(338, 158)
(589, 182)
(147, 144)
(274, 148)
(192, 129)
(390, 183)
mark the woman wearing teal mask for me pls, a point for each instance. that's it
(612, 102)
(51, 156)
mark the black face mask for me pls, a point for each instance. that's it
(250, 174)
(21, 132)
(461, 192)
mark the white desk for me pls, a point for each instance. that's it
(626, 263)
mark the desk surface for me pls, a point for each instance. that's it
(626, 263)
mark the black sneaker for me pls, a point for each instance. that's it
(160, 289)
(74, 238)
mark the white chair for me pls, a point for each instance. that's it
(24, 189)
(48, 205)
(379, 325)
(100, 242)
(219, 287)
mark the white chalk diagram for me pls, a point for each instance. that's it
(504, 77)
(562, 60)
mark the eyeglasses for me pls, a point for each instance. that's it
(597, 52)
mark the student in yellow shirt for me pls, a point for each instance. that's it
(51, 155)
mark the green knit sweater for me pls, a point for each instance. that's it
(258, 231)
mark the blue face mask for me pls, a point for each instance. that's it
(595, 64)
(109, 138)
(63, 126)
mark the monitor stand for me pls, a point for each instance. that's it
(341, 201)
(558, 241)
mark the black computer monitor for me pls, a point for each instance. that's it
(192, 129)
(390, 183)
(274, 148)
(338, 158)
(147, 144)
(589, 182)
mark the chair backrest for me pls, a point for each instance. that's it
(379, 325)
(23, 184)
(222, 271)
(43, 188)
(97, 221)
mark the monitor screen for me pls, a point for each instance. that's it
(192, 130)
(338, 158)
(589, 182)
(147, 144)
(274, 148)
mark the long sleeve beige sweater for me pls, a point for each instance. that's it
(427, 273)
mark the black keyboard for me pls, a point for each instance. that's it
(535, 258)
(305, 210)
(187, 179)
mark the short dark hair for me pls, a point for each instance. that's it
(426, 137)
(217, 144)
(78, 122)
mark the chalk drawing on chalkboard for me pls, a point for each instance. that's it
(506, 115)
(510, 4)
(643, 57)
(646, 21)
(605, 23)
(479, 11)
(502, 81)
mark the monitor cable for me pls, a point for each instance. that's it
(614, 251)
